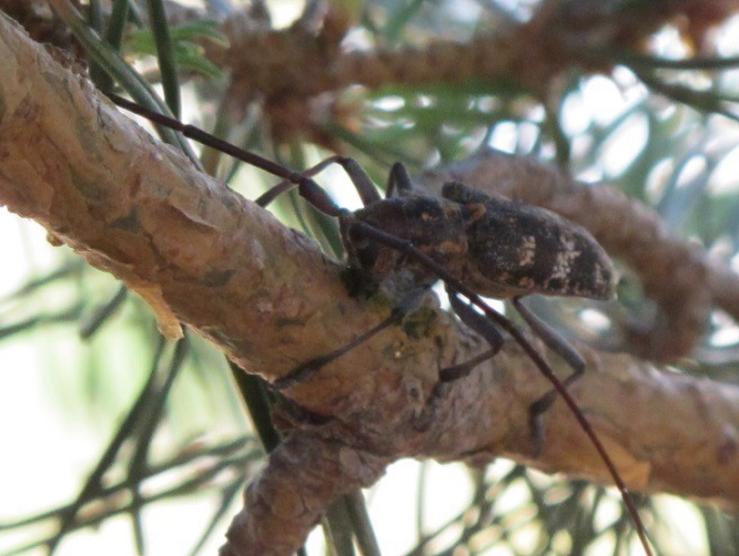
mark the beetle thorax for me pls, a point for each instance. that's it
(435, 227)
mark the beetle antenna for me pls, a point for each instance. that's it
(209, 140)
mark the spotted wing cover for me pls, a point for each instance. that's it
(518, 248)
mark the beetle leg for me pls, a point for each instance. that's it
(551, 338)
(455, 372)
(309, 368)
(362, 182)
(482, 326)
(399, 179)
(561, 347)
(487, 330)
(557, 344)
(286, 185)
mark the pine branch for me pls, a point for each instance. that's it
(288, 66)
(201, 254)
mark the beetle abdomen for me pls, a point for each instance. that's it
(517, 249)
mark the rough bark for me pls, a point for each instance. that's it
(267, 297)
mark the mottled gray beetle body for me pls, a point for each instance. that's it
(498, 247)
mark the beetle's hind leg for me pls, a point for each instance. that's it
(561, 347)
(482, 325)
(487, 330)
(557, 344)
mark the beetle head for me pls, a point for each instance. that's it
(434, 226)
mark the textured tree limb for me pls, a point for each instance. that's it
(267, 297)
(558, 36)
(298, 71)
(293, 492)
(287, 67)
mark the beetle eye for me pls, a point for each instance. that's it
(472, 212)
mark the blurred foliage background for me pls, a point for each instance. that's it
(161, 425)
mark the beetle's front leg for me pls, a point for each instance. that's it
(309, 368)
(482, 325)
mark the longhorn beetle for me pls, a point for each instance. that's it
(476, 243)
